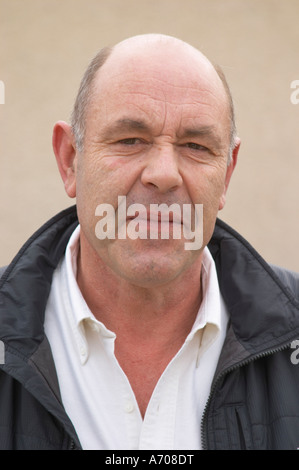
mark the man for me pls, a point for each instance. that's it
(135, 342)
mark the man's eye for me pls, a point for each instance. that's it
(130, 141)
(194, 146)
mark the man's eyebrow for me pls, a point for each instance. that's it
(123, 125)
(128, 124)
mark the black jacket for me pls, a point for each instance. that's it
(254, 402)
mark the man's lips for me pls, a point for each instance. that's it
(156, 217)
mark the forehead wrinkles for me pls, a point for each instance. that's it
(156, 94)
(160, 62)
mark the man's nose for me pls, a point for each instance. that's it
(162, 169)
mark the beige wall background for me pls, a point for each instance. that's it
(45, 46)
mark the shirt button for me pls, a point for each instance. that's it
(129, 407)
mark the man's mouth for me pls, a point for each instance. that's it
(156, 217)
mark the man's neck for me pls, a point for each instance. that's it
(151, 324)
(166, 311)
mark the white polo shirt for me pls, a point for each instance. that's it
(96, 392)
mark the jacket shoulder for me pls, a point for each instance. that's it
(289, 278)
(2, 270)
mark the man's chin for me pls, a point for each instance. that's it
(152, 264)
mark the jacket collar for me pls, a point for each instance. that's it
(264, 313)
(26, 283)
(24, 290)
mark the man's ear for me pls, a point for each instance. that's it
(65, 152)
(229, 171)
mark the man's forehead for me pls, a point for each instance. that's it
(158, 97)
(160, 70)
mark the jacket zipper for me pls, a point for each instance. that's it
(72, 445)
(227, 371)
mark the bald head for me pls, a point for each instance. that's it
(139, 45)
(134, 53)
